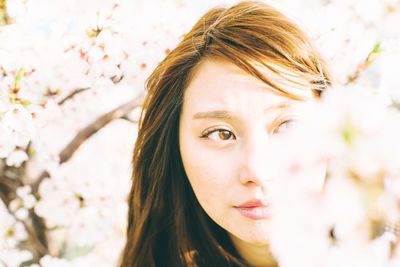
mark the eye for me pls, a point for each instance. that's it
(284, 126)
(219, 134)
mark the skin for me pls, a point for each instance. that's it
(224, 153)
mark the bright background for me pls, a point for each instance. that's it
(65, 64)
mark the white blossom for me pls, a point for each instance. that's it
(16, 158)
(108, 48)
(11, 231)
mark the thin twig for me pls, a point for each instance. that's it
(369, 59)
(88, 131)
(5, 189)
(128, 119)
(40, 248)
(8, 185)
(96, 125)
(71, 95)
(39, 234)
(3, 196)
(5, 181)
(40, 245)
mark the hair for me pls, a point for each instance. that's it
(166, 224)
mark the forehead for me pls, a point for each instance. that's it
(221, 84)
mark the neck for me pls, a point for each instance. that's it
(254, 254)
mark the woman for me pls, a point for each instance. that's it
(199, 195)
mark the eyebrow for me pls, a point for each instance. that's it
(224, 114)
(214, 114)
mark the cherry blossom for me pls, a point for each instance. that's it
(67, 66)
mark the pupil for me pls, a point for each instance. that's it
(224, 135)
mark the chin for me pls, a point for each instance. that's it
(257, 236)
(257, 240)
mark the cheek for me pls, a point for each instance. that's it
(207, 171)
(211, 173)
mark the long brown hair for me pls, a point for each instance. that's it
(166, 225)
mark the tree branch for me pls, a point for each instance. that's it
(36, 236)
(128, 119)
(8, 184)
(71, 95)
(88, 131)
(372, 55)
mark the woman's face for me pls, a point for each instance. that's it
(228, 119)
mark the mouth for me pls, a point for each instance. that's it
(254, 209)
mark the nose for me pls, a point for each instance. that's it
(255, 164)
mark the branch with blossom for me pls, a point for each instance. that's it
(67, 71)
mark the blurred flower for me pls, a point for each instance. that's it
(65, 65)
(16, 158)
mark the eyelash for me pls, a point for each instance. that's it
(282, 123)
(208, 132)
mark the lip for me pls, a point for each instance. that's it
(254, 209)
